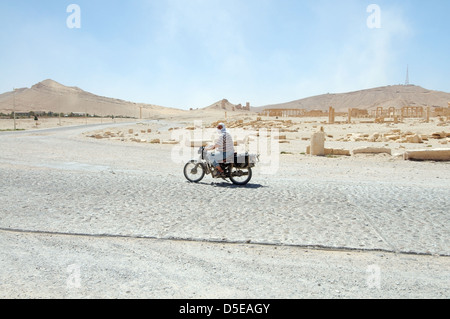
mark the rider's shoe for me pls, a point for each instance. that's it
(222, 176)
(218, 174)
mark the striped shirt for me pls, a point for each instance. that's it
(225, 143)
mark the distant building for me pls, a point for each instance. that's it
(22, 114)
(78, 114)
(30, 114)
(359, 113)
(243, 108)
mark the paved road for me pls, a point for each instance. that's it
(76, 185)
(57, 183)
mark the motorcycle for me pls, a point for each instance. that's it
(239, 172)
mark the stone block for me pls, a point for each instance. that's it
(414, 139)
(439, 135)
(372, 150)
(197, 143)
(428, 155)
(338, 152)
(318, 144)
(172, 142)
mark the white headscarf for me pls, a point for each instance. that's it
(224, 128)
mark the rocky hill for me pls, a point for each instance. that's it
(227, 106)
(389, 96)
(51, 96)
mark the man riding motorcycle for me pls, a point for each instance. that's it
(224, 149)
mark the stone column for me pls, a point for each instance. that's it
(392, 112)
(379, 112)
(395, 119)
(318, 143)
(448, 112)
(331, 117)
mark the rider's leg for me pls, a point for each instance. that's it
(219, 169)
(220, 160)
(212, 158)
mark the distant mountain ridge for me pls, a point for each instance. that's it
(51, 96)
(388, 96)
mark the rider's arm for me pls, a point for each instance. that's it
(212, 147)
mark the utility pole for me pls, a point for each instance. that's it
(14, 109)
(59, 109)
(407, 75)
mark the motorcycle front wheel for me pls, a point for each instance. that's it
(194, 172)
(240, 176)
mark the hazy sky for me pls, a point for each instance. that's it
(192, 53)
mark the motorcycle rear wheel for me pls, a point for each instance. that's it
(194, 172)
(241, 176)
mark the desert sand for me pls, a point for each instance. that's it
(97, 209)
